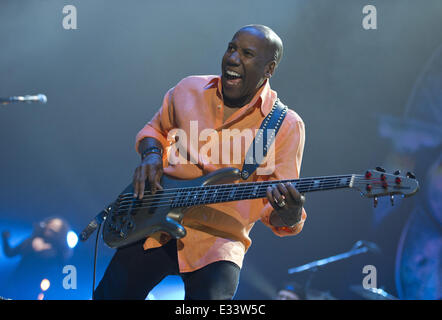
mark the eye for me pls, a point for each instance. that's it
(230, 48)
(248, 53)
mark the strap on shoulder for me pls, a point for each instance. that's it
(269, 126)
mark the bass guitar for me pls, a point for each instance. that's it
(130, 219)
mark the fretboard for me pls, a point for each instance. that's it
(192, 196)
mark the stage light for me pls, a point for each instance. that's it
(40, 296)
(72, 239)
(45, 284)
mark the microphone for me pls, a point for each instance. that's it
(38, 98)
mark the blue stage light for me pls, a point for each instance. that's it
(72, 239)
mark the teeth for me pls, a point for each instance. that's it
(233, 73)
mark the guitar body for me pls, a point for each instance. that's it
(130, 220)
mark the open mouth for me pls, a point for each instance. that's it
(232, 78)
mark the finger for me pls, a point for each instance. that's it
(278, 198)
(271, 199)
(152, 182)
(135, 181)
(158, 178)
(295, 194)
(141, 187)
(141, 183)
(276, 194)
(283, 191)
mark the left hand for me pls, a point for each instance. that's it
(287, 202)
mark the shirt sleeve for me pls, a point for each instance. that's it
(161, 123)
(288, 152)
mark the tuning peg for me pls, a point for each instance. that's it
(397, 172)
(392, 200)
(411, 175)
(375, 202)
(380, 169)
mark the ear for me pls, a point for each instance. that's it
(270, 69)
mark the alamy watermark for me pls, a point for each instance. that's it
(70, 19)
(371, 278)
(370, 19)
(70, 280)
(225, 147)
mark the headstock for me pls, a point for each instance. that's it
(377, 183)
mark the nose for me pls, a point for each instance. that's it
(234, 58)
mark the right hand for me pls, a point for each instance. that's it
(150, 169)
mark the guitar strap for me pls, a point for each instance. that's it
(270, 125)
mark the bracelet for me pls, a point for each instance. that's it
(151, 150)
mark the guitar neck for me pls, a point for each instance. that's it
(210, 194)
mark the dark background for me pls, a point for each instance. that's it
(106, 79)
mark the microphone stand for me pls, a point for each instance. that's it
(358, 248)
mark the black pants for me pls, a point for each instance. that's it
(133, 272)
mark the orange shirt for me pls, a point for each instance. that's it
(221, 231)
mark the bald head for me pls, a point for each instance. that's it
(275, 46)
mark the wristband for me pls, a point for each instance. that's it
(151, 150)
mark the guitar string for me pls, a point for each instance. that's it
(262, 182)
(356, 181)
(239, 187)
(222, 193)
(198, 196)
(189, 203)
(224, 188)
(231, 186)
(166, 201)
(164, 204)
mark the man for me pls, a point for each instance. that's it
(210, 256)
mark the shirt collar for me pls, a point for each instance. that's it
(262, 99)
